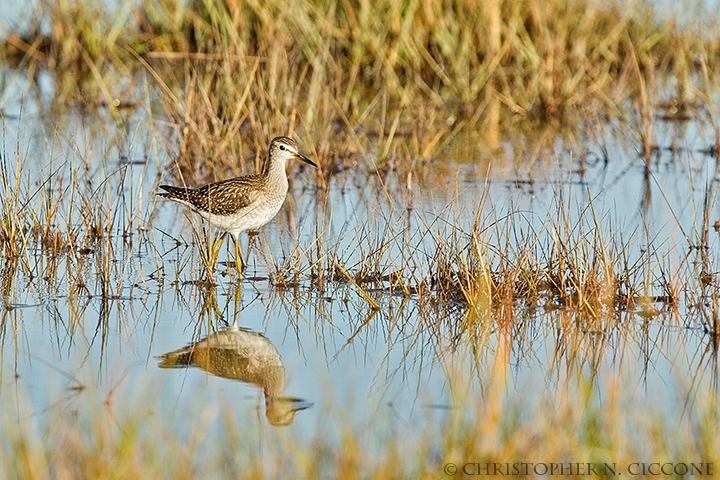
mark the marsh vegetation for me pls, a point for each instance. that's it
(508, 253)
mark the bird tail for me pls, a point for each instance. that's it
(173, 192)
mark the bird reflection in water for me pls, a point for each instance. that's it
(240, 354)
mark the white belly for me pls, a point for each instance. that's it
(250, 218)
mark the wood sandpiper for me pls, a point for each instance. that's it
(245, 203)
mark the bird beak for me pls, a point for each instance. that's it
(306, 159)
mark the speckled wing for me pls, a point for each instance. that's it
(219, 198)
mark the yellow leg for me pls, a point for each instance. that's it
(216, 248)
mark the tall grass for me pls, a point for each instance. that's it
(395, 80)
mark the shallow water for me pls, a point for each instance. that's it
(403, 371)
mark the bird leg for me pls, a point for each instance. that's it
(216, 248)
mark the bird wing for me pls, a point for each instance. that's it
(219, 198)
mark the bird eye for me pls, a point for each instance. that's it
(282, 147)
